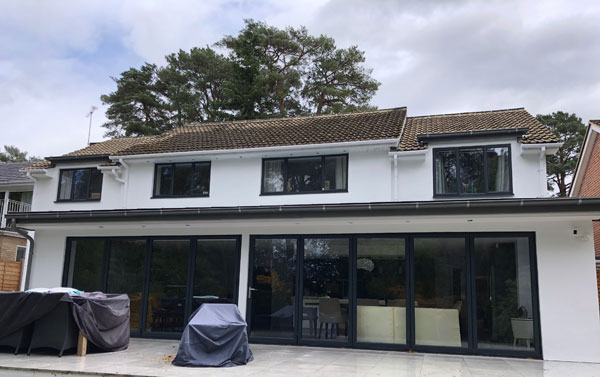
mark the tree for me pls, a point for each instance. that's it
(338, 83)
(571, 131)
(264, 72)
(137, 106)
(14, 154)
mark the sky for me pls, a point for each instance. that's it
(437, 56)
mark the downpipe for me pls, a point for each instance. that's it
(23, 232)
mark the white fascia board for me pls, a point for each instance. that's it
(259, 151)
(586, 153)
(410, 154)
(549, 148)
(38, 174)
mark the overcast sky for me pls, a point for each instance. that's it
(56, 57)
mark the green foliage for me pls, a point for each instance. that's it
(265, 72)
(571, 131)
(14, 154)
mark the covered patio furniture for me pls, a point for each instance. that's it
(215, 337)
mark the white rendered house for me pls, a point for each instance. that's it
(367, 230)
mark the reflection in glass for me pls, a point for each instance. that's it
(334, 172)
(440, 292)
(182, 179)
(445, 172)
(325, 289)
(168, 279)
(66, 183)
(498, 164)
(381, 290)
(273, 175)
(81, 184)
(471, 163)
(272, 287)
(126, 274)
(504, 296)
(304, 174)
(215, 278)
(86, 262)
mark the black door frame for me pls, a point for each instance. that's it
(191, 263)
(469, 237)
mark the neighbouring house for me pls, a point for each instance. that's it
(15, 196)
(586, 181)
(367, 230)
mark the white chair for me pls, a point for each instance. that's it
(522, 329)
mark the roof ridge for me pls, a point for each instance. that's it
(465, 113)
(274, 119)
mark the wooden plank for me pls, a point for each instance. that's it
(81, 345)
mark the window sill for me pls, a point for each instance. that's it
(179, 197)
(303, 193)
(454, 196)
(76, 200)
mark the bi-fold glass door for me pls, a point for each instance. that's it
(452, 292)
(166, 278)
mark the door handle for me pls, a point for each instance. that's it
(250, 289)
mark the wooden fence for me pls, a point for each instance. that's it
(10, 276)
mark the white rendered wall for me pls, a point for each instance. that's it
(415, 173)
(566, 275)
(236, 180)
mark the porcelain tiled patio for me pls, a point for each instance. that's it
(151, 358)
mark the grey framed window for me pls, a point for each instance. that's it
(305, 175)
(189, 179)
(79, 185)
(480, 170)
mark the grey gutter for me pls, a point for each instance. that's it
(422, 138)
(437, 207)
(13, 227)
(84, 158)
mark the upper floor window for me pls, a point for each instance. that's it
(472, 171)
(297, 175)
(182, 179)
(80, 184)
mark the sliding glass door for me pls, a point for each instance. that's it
(440, 292)
(166, 278)
(469, 293)
(381, 292)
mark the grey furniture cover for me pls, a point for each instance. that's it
(214, 337)
(102, 318)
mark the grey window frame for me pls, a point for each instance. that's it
(458, 192)
(88, 199)
(157, 195)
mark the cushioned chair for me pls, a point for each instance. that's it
(522, 329)
(330, 313)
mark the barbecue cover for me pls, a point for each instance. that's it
(214, 337)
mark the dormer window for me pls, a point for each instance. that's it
(305, 175)
(80, 184)
(472, 171)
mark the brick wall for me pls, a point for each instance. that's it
(590, 186)
(8, 247)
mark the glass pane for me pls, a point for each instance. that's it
(440, 292)
(381, 290)
(183, 179)
(304, 174)
(504, 296)
(273, 175)
(335, 173)
(325, 289)
(164, 178)
(66, 180)
(201, 179)
(85, 265)
(471, 170)
(81, 187)
(445, 172)
(168, 279)
(215, 278)
(498, 161)
(96, 185)
(126, 274)
(273, 284)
